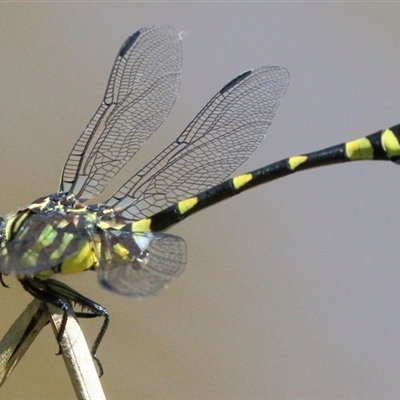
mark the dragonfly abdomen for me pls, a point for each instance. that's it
(382, 145)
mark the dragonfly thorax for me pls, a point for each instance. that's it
(61, 202)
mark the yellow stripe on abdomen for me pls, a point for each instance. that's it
(141, 226)
(390, 143)
(185, 205)
(241, 180)
(360, 149)
(295, 161)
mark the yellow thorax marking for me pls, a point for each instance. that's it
(120, 250)
(45, 274)
(110, 225)
(15, 224)
(45, 239)
(40, 206)
(29, 258)
(47, 236)
(57, 253)
(83, 260)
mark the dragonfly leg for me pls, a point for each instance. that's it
(38, 289)
(94, 310)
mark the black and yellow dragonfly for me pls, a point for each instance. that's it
(123, 238)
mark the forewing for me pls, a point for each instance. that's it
(141, 91)
(140, 264)
(220, 138)
(43, 241)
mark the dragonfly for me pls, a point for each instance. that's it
(124, 239)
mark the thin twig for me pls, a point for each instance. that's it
(77, 357)
(76, 354)
(20, 336)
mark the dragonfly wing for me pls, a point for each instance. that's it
(43, 242)
(140, 264)
(141, 91)
(219, 139)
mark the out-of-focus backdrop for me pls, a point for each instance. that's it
(292, 290)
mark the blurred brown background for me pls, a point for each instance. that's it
(292, 290)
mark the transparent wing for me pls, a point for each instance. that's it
(141, 91)
(43, 241)
(219, 139)
(140, 264)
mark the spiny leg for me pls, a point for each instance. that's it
(95, 310)
(38, 290)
